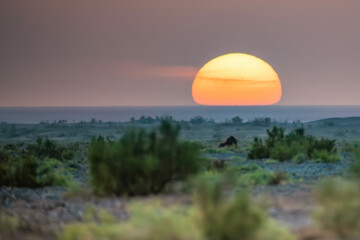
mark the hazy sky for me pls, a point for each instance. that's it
(101, 53)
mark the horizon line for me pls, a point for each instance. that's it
(195, 105)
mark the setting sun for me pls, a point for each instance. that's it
(236, 79)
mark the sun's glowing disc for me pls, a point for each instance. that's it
(236, 79)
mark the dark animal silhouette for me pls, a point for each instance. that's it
(229, 141)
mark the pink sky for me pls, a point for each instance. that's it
(119, 53)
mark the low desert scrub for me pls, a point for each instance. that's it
(28, 171)
(283, 147)
(263, 177)
(142, 162)
(299, 158)
(48, 148)
(325, 156)
(339, 208)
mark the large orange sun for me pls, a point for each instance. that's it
(236, 79)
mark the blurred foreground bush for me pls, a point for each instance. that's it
(225, 214)
(354, 170)
(339, 208)
(282, 147)
(142, 162)
(218, 214)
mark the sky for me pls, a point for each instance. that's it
(128, 53)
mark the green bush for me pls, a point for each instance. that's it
(257, 177)
(299, 158)
(258, 150)
(142, 162)
(322, 144)
(19, 171)
(284, 152)
(52, 172)
(27, 171)
(49, 148)
(354, 168)
(285, 147)
(339, 208)
(324, 156)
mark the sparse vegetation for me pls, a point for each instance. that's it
(197, 120)
(261, 121)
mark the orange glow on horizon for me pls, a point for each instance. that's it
(236, 79)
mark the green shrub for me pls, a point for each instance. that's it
(18, 172)
(257, 177)
(52, 172)
(27, 171)
(276, 134)
(142, 162)
(258, 150)
(339, 208)
(283, 152)
(322, 144)
(354, 168)
(285, 147)
(49, 148)
(324, 156)
(349, 146)
(299, 158)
